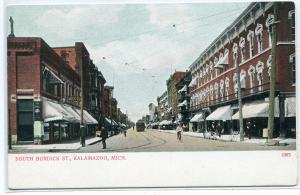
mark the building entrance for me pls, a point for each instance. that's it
(25, 120)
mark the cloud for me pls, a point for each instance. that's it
(177, 16)
(148, 53)
(68, 23)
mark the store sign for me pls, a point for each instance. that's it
(37, 107)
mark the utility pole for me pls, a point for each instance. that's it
(272, 74)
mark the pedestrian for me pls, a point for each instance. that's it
(104, 136)
(219, 129)
(249, 129)
(124, 131)
(179, 132)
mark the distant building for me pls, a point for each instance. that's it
(162, 108)
(152, 112)
(43, 94)
(184, 98)
(172, 93)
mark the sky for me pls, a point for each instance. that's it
(135, 46)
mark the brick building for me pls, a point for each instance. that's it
(183, 98)
(247, 43)
(41, 87)
(93, 81)
(162, 102)
(172, 93)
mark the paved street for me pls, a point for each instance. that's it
(157, 141)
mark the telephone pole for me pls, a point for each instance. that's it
(272, 74)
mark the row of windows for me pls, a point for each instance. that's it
(205, 73)
(52, 84)
(217, 89)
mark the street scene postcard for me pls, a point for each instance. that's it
(127, 95)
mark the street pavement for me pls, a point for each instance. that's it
(151, 140)
(159, 141)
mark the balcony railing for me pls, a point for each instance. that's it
(245, 93)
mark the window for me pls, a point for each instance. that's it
(259, 71)
(226, 53)
(211, 92)
(292, 62)
(211, 69)
(243, 79)
(235, 84)
(222, 89)
(227, 88)
(65, 56)
(251, 73)
(269, 22)
(216, 91)
(207, 93)
(291, 18)
(269, 64)
(258, 33)
(215, 62)
(250, 37)
(242, 48)
(235, 54)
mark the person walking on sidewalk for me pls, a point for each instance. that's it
(179, 132)
(104, 136)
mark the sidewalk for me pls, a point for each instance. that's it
(232, 138)
(59, 146)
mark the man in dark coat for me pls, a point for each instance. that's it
(104, 136)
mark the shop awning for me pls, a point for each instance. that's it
(256, 109)
(87, 117)
(53, 112)
(222, 113)
(223, 61)
(290, 107)
(73, 112)
(163, 122)
(184, 103)
(193, 82)
(197, 118)
(183, 89)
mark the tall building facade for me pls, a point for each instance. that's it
(41, 91)
(247, 43)
(172, 93)
(183, 98)
(162, 108)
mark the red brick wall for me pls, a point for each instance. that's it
(72, 56)
(283, 70)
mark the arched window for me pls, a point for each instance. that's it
(235, 84)
(250, 37)
(242, 48)
(211, 91)
(251, 73)
(215, 62)
(291, 17)
(235, 54)
(207, 94)
(222, 89)
(269, 21)
(259, 71)
(259, 37)
(227, 85)
(269, 64)
(243, 79)
(216, 91)
(211, 69)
